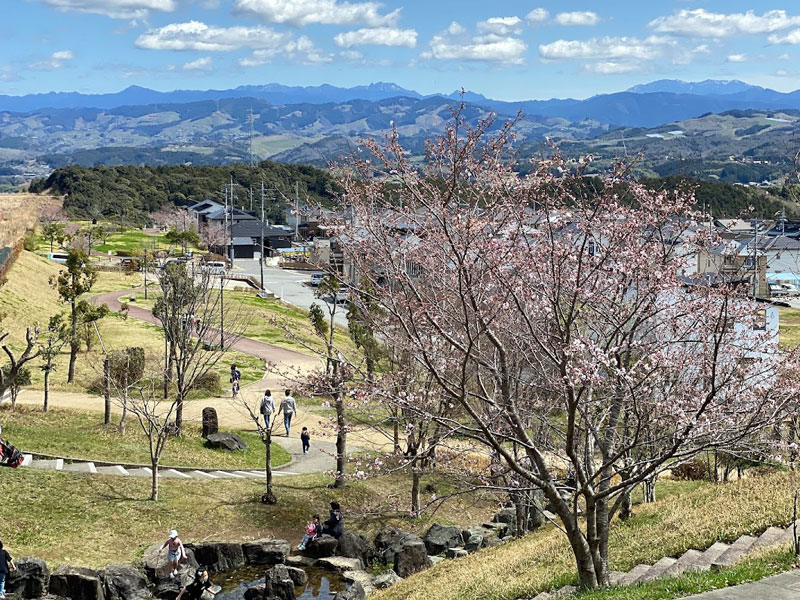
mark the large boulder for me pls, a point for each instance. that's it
(339, 564)
(30, 580)
(353, 545)
(278, 584)
(322, 547)
(76, 583)
(266, 552)
(124, 582)
(411, 558)
(156, 562)
(359, 576)
(255, 592)
(440, 537)
(354, 592)
(299, 576)
(226, 441)
(218, 556)
(386, 579)
(390, 540)
(474, 537)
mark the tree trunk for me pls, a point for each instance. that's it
(124, 412)
(341, 443)
(154, 489)
(396, 432)
(650, 489)
(268, 497)
(107, 391)
(415, 477)
(626, 508)
(47, 390)
(179, 413)
(74, 345)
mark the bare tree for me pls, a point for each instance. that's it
(11, 372)
(192, 312)
(56, 337)
(561, 317)
(252, 408)
(213, 234)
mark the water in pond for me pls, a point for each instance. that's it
(322, 585)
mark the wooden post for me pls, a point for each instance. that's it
(107, 390)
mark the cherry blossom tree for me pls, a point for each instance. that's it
(559, 316)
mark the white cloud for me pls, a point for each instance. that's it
(610, 67)
(605, 48)
(116, 9)
(302, 51)
(537, 15)
(299, 13)
(501, 25)
(201, 64)
(793, 37)
(377, 36)
(55, 61)
(704, 24)
(586, 18)
(454, 44)
(737, 58)
(195, 35)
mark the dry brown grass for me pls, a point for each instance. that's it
(18, 213)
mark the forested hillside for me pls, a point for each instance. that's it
(130, 192)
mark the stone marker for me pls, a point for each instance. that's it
(210, 422)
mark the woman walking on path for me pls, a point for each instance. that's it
(289, 407)
(176, 552)
(7, 566)
(267, 407)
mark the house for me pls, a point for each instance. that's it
(735, 261)
(235, 215)
(274, 237)
(200, 210)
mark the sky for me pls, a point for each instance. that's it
(506, 49)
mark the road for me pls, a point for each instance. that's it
(289, 286)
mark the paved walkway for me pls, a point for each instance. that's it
(785, 586)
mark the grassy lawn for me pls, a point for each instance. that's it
(686, 516)
(93, 521)
(765, 564)
(82, 435)
(134, 239)
(789, 328)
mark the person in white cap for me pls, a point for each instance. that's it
(176, 552)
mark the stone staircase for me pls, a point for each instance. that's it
(51, 463)
(717, 556)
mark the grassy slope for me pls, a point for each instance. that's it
(688, 516)
(93, 521)
(789, 326)
(82, 435)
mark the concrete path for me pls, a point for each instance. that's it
(785, 586)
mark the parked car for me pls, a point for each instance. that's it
(316, 279)
(214, 267)
(58, 257)
(341, 296)
(130, 264)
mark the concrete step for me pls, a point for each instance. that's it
(788, 535)
(716, 550)
(112, 470)
(173, 473)
(81, 467)
(770, 537)
(202, 475)
(686, 560)
(251, 474)
(141, 472)
(615, 577)
(56, 464)
(658, 569)
(734, 554)
(226, 475)
(26, 460)
(635, 574)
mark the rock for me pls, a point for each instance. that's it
(266, 552)
(439, 538)
(565, 592)
(255, 592)
(359, 576)
(156, 562)
(389, 541)
(30, 580)
(354, 592)
(168, 589)
(218, 556)
(455, 553)
(124, 582)
(411, 558)
(278, 584)
(473, 543)
(353, 545)
(76, 583)
(386, 579)
(300, 561)
(299, 576)
(339, 564)
(435, 560)
(210, 421)
(227, 441)
(324, 546)
(500, 529)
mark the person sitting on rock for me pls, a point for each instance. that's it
(313, 531)
(176, 552)
(194, 591)
(335, 524)
(7, 567)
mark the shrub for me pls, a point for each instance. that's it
(208, 382)
(696, 470)
(30, 242)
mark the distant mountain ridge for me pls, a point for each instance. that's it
(709, 87)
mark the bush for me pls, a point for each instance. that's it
(208, 382)
(123, 253)
(696, 470)
(30, 242)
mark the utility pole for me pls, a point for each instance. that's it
(251, 158)
(230, 235)
(261, 257)
(755, 261)
(221, 313)
(166, 366)
(145, 273)
(296, 211)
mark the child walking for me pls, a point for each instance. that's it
(306, 439)
(176, 552)
(313, 530)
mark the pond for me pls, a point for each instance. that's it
(322, 585)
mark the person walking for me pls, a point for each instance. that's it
(305, 437)
(236, 377)
(176, 552)
(289, 407)
(267, 407)
(7, 567)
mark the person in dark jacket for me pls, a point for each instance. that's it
(7, 566)
(194, 591)
(335, 524)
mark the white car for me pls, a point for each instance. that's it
(341, 297)
(214, 267)
(316, 279)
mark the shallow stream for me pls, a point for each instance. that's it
(322, 585)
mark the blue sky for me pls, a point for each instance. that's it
(506, 49)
